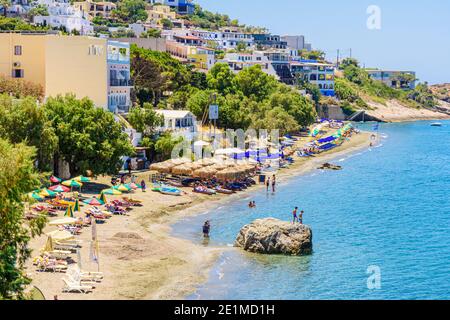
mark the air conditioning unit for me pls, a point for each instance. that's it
(16, 64)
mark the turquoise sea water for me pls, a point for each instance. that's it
(389, 207)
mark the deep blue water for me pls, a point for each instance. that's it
(389, 207)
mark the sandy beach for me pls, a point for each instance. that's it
(139, 257)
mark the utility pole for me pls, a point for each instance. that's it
(337, 59)
(350, 53)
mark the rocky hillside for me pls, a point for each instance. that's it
(441, 91)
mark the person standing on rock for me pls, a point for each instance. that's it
(294, 215)
(300, 217)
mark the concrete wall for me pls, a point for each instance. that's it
(331, 112)
(77, 65)
(156, 44)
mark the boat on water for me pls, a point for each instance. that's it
(436, 124)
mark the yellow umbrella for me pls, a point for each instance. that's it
(69, 212)
(122, 188)
(72, 183)
(48, 245)
(112, 191)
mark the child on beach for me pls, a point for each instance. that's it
(143, 186)
(206, 229)
(300, 217)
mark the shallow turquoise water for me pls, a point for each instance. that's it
(389, 207)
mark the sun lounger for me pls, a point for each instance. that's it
(70, 286)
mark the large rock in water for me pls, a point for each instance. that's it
(272, 236)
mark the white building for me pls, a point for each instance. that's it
(239, 61)
(62, 14)
(179, 122)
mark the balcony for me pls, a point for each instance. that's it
(121, 82)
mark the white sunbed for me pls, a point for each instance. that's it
(70, 286)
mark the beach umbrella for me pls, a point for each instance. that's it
(72, 183)
(103, 198)
(47, 193)
(94, 202)
(63, 221)
(123, 188)
(82, 179)
(69, 212)
(59, 188)
(60, 235)
(54, 179)
(48, 245)
(35, 196)
(134, 186)
(112, 192)
(76, 207)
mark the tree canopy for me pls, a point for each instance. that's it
(17, 179)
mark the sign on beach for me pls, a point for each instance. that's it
(213, 112)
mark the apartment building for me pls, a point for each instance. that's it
(320, 74)
(180, 6)
(199, 57)
(95, 9)
(85, 66)
(239, 61)
(159, 12)
(269, 41)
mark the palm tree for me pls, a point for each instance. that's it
(5, 4)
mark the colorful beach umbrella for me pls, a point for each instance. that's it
(94, 202)
(35, 196)
(133, 186)
(81, 179)
(112, 192)
(72, 183)
(76, 207)
(123, 188)
(103, 198)
(47, 193)
(59, 188)
(54, 179)
(69, 212)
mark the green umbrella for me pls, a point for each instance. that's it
(47, 193)
(111, 191)
(72, 183)
(81, 179)
(35, 196)
(76, 207)
(69, 212)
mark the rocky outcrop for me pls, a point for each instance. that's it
(272, 236)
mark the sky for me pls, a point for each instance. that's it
(413, 35)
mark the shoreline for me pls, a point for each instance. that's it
(142, 259)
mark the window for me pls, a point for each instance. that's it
(17, 73)
(17, 50)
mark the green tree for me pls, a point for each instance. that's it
(39, 10)
(349, 62)
(241, 46)
(17, 178)
(123, 33)
(277, 118)
(151, 33)
(255, 83)
(221, 78)
(20, 88)
(166, 23)
(89, 137)
(131, 11)
(24, 121)
(145, 119)
(165, 144)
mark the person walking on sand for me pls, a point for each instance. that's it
(300, 217)
(267, 184)
(273, 183)
(294, 215)
(143, 186)
(206, 229)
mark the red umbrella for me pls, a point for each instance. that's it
(54, 179)
(93, 202)
(59, 188)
